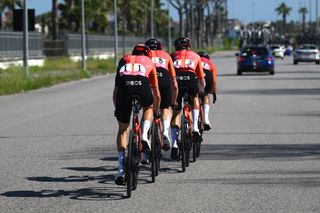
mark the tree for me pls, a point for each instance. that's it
(54, 19)
(8, 4)
(303, 11)
(283, 10)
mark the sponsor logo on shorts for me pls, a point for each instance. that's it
(183, 78)
(133, 83)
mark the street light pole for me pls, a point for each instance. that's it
(317, 16)
(169, 28)
(115, 32)
(83, 38)
(152, 19)
(25, 39)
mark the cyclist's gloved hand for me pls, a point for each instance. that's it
(214, 98)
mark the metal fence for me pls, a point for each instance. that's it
(11, 45)
(97, 44)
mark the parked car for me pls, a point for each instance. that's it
(306, 53)
(255, 59)
(278, 50)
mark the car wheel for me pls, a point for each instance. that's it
(295, 62)
(271, 72)
(318, 62)
(239, 72)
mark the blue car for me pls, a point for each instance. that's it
(255, 59)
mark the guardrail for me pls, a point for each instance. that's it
(99, 44)
(11, 45)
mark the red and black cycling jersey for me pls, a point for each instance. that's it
(187, 61)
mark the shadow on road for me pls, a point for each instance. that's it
(96, 194)
(260, 151)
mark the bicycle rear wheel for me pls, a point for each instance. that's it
(153, 153)
(182, 147)
(129, 165)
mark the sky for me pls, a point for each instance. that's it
(245, 10)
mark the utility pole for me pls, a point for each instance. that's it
(169, 28)
(115, 32)
(25, 39)
(83, 37)
(317, 16)
(152, 19)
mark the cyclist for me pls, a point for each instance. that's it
(210, 73)
(167, 85)
(136, 74)
(187, 64)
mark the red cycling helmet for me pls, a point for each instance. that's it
(154, 44)
(203, 55)
(141, 49)
(182, 43)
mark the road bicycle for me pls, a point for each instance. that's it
(186, 132)
(196, 145)
(134, 150)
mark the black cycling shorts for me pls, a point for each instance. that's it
(187, 82)
(131, 85)
(164, 81)
(209, 79)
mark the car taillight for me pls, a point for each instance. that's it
(241, 59)
(268, 59)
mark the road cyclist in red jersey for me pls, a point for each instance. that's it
(189, 71)
(210, 72)
(168, 86)
(136, 75)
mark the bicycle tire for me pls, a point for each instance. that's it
(136, 161)
(182, 147)
(129, 165)
(157, 150)
(201, 128)
(153, 153)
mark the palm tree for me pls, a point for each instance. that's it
(283, 10)
(303, 11)
(54, 19)
(8, 4)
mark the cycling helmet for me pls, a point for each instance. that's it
(154, 44)
(141, 49)
(182, 43)
(203, 55)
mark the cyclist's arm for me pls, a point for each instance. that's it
(155, 89)
(174, 83)
(200, 75)
(114, 96)
(214, 79)
(117, 82)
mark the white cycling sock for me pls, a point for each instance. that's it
(146, 126)
(166, 126)
(195, 116)
(120, 162)
(174, 131)
(206, 108)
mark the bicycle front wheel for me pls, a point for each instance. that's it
(129, 165)
(183, 142)
(153, 153)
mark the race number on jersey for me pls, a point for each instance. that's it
(133, 69)
(188, 64)
(205, 66)
(159, 62)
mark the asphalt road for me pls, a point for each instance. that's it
(58, 154)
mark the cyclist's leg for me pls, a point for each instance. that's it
(122, 113)
(206, 104)
(165, 91)
(206, 109)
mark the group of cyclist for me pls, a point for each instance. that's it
(160, 80)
